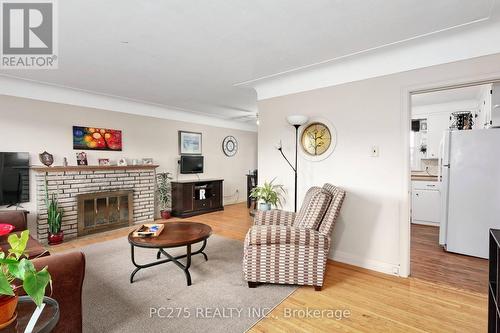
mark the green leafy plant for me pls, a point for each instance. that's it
(164, 190)
(15, 265)
(54, 212)
(269, 193)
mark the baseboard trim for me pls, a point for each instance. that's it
(374, 265)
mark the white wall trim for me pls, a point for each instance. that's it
(475, 40)
(375, 265)
(64, 95)
(405, 207)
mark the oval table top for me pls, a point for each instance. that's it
(174, 234)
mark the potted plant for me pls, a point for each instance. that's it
(269, 194)
(54, 217)
(15, 267)
(164, 194)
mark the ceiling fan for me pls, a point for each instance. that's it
(248, 117)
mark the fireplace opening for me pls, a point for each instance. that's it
(104, 211)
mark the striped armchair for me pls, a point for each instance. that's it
(288, 248)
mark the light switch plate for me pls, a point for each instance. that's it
(374, 151)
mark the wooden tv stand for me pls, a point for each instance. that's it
(195, 197)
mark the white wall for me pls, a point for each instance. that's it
(34, 126)
(374, 219)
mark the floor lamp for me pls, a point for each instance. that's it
(296, 121)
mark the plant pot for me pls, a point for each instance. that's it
(165, 214)
(8, 306)
(55, 239)
(264, 206)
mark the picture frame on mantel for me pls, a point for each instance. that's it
(190, 143)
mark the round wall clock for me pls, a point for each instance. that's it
(229, 145)
(318, 140)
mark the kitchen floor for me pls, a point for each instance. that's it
(431, 263)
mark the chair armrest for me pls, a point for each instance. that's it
(282, 235)
(15, 217)
(274, 217)
(67, 271)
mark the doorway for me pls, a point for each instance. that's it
(451, 129)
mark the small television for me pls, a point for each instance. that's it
(191, 164)
(14, 178)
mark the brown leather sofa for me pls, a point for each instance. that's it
(18, 218)
(67, 271)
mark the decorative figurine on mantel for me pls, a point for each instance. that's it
(65, 162)
(46, 158)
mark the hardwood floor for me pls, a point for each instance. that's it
(233, 222)
(377, 302)
(431, 263)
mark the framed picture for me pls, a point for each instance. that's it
(104, 162)
(93, 138)
(81, 158)
(147, 161)
(189, 143)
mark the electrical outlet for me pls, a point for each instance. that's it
(395, 270)
(374, 151)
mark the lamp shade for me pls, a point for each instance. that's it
(297, 119)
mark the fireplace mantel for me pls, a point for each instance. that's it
(39, 168)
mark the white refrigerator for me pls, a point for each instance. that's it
(470, 190)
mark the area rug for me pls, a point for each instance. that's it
(159, 300)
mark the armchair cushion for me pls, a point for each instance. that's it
(283, 235)
(314, 207)
(274, 217)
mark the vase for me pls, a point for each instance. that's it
(8, 306)
(264, 206)
(165, 214)
(55, 239)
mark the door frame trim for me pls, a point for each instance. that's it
(406, 93)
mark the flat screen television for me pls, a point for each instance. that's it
(191, 164)
(14, 178)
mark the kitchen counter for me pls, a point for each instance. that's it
(423, 176)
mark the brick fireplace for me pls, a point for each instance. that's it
(105, 183)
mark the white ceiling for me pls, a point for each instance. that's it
(448, 96)
(191, 55)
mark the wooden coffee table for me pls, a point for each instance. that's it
(174, 234)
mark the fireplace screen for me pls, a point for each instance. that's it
(104, 211)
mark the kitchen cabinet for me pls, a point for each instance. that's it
(426, 203)
(436, 124)
(495, 105)
(485, 109)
